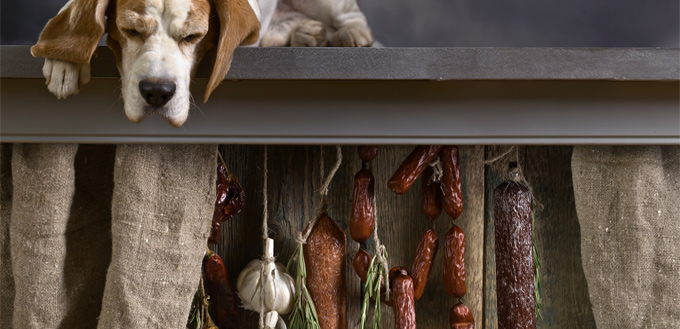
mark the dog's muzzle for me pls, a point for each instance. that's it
(157, 94)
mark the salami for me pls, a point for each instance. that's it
(324, 254)
(368, 152)
(514, 256)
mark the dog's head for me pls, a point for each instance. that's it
(158, 45)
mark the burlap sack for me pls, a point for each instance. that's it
(162, 208)
(44, 183)
(628, 205)
(6, 277)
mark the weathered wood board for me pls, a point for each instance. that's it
(564, 293)
(293, 186)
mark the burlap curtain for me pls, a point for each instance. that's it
(102, 236)
(628, 206)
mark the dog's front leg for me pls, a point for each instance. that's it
(64, 79)
(292, 28)
(351, 28)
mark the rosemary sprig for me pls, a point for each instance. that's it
(374, 277)
(537, 265)
(304, 314)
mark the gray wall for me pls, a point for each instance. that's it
(461, 23)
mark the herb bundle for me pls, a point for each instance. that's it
(304, 313)
(374, 277)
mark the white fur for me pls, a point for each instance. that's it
(161, 57)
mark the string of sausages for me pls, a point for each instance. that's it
(439, 167)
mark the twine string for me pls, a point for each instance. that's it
(323, 192)
(436, 165)
(516, 174)
(265, 236)
(380, 250)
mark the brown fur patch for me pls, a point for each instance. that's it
(238, 26)
(73, 34)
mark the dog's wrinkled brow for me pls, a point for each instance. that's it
(144, 24)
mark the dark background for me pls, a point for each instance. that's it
(460, 23)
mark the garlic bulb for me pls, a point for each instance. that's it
(278, 287)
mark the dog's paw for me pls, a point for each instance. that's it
(355, 34)
(309, 33)
(64, 79)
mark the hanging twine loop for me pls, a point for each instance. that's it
(516, 174)
(323, 193)
(264, 275)
(436, 165)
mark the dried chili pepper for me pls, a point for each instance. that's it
(223, 300)
(229, 200)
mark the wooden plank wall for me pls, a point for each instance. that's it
(293, 196)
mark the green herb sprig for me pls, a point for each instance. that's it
(304, 313)
(374, 276)
(537, 265)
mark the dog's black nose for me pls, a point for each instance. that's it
(157, 93)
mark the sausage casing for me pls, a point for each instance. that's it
(514, 256)
(431, 193)
(404, 302)
(454, 262)
(412, 167)
(461, 317)
(452, 190)
(368, 152)
(361, 262)
(362, 217)
(325, 253)
(422, 261)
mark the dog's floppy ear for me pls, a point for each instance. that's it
(238, 26)
(73, 34)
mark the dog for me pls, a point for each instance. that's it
(159, 43)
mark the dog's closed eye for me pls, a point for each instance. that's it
(132, 33)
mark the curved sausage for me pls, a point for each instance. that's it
(454, 262)
(452, 190)
(362, 217)
(361, 262)
(461, 317)
(368, 152)
(404, 303)
(431, 195)
(422, 261)
(325, 253)
(412, 167)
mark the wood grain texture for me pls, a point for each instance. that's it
(563, 292)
